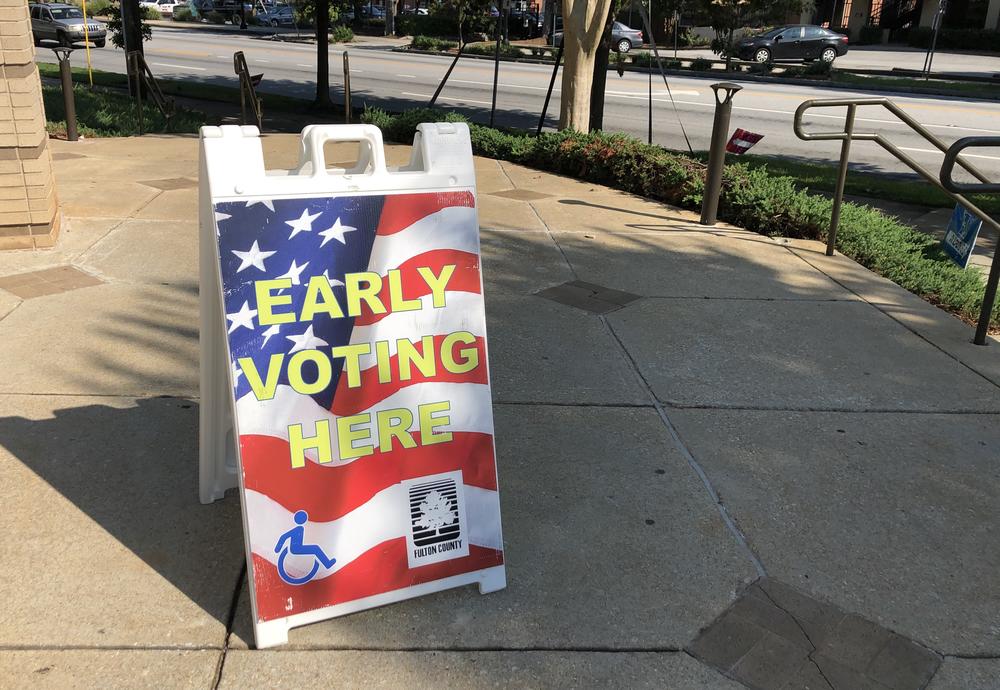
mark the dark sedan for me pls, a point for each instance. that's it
(800, 43)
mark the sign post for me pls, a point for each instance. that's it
(345, 387)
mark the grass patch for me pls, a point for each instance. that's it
(103, 114)
(875, 185)
(185, 89)
(958, 88)
(752, 197)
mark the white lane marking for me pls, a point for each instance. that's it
(167, 64)
(301, 65)
(259, 60)
(446, 98)
(224, 56)
(676, 92)
(407, 76)
(964, 155)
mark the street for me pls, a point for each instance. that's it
(396, 81)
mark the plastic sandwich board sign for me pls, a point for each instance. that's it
(344, 386)
(960, 237)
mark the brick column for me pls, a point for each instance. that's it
(29, 213)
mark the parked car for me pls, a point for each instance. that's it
(282, 15)
(800, 42)
(623, 38)
(164, 7)
(64, 24)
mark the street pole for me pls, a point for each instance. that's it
(938, 18)
(66, 76)
(347, 89)
(717, 153)
(496, 72)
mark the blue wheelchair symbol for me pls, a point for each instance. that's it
(293, 537)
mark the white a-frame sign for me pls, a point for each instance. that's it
(344, 382)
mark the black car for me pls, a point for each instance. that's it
(799, 42)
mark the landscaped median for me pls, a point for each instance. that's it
(751, 198)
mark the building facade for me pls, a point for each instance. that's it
(893, 15)
(29, 214)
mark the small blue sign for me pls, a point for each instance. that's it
(960, 239)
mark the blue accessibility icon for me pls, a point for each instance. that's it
(295, 547)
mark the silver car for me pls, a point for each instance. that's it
(64, 24)
(623, 38)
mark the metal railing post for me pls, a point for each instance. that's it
(838, 195)
(69, 98)
(717, 152)
(347, 89)
(943, 180)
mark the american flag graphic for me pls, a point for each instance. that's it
(360, 511)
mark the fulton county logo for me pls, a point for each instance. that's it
(437, 517)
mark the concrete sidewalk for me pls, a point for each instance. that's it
(773, 469)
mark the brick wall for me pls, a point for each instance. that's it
(29, 213)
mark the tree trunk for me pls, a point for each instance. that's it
(390, 18)
(600, 81)
(323, 55)
(583, 23)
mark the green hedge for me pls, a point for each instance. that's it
(751, 198)
(341, 34)
(962, 39)
(431, 43)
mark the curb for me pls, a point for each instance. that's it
(741, 76)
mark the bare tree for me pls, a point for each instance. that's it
(583, 25)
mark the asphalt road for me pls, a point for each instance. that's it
(399, 81)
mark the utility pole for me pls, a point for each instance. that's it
(131, 15)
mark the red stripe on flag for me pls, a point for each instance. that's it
(464, 279)
(400, 211)
(328, 492)
(348, 401)
(381, 569)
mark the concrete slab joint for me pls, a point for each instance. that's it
(29, 213)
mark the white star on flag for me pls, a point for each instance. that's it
(244, 317)
(306, 341)
(237, 373)
(273, 330)
(333, 281)
(336, 232)
(252, 257)
(219, 217)
(304, 223)
(293, 272)
(265, 202)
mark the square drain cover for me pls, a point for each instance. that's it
(521, 194)
(777, 637)
(588, 296)
(49, 281)
(171, 184)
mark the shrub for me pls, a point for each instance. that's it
(701, 65)
(183, 14)
(215, 17)
(151, 13)
(964, 39)
(95, 8)
(818, 69)
(341, 34)
(751, 197)
(761, 68)
(869, 35)
(489, 48)
(431, 43)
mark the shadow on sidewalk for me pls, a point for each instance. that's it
(134, 471)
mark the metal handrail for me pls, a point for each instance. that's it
(248, 90)
(951, 158)
(947, 167)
